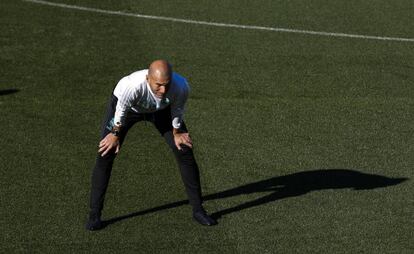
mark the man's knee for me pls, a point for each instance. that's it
(185, 150)
(107, 160)
(185, 155)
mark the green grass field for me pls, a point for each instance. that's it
(305, 142)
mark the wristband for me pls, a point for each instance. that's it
(116, 130)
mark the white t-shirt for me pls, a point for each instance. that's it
(134, 94)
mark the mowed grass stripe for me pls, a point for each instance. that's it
(217, 24)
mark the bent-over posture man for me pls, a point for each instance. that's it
(157, 95)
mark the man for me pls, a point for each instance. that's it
(157, 95)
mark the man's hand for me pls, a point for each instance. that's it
(182, 138)
(108, 143)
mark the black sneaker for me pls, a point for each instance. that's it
(94, 222)
(203, 218)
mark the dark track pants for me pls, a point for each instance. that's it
(162, 121)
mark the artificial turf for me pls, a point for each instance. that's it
(305, 143)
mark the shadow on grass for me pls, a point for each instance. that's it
(281, 187)
(8, 91)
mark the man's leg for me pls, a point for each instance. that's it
(103, 168)
(190, 174)
(187, 164)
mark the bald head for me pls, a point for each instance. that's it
(159, 77)
(160, 69)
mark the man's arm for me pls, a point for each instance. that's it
(125, 101)
(177, 113)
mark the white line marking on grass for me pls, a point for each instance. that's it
(189, 21)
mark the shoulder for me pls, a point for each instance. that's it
(138, 76)
(135, 78)
(180, 83)
(134, 82)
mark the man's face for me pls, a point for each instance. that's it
(159, 85)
